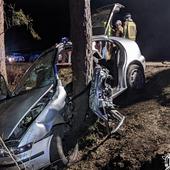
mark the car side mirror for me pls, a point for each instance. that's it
(3, 88)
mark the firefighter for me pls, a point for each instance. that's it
(129, 28)
(118, 29)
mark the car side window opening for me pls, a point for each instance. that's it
(109, 56)
(65, 56)
(40, 74)
(63, 63)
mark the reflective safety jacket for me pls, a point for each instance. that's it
(130, 30)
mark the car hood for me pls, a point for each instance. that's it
(12, 110)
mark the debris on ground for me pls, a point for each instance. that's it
(145, 136)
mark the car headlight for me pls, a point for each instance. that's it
(22, 149)
(15, 150)
(3, 153)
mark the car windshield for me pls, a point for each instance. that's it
(40, 74)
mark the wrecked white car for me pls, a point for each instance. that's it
(30, 115)
(123, 57)
(33, 114)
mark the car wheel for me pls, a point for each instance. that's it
(135, 77)
(58, 152)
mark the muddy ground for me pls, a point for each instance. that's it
(145, 135)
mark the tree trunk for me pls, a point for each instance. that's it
(82, 60)
(2, 46)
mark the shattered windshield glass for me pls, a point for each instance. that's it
(39, 75)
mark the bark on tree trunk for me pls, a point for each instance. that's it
(82, 60)
(2, 46)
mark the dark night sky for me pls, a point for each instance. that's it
(51, 21)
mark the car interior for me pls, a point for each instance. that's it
(107, 54)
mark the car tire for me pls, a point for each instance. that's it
(57, 148)
(135, 77)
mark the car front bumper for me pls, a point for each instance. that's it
(35, 158)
